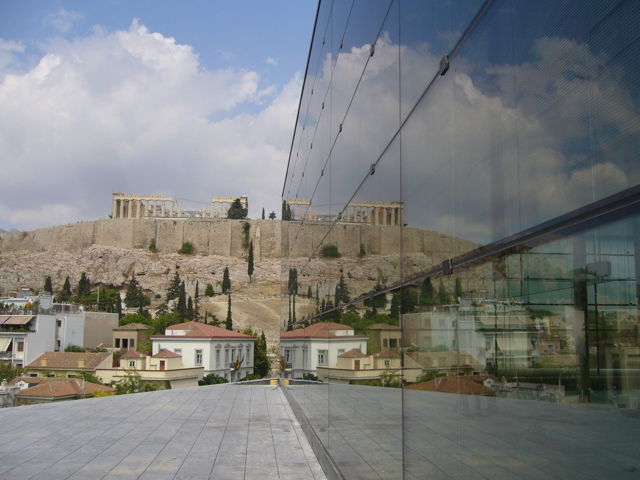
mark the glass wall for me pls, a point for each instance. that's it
(460, 220)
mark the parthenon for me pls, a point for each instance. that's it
(375, 213)
(125, 205)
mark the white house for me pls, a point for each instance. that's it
(225, 353)
(304, 350)
(23, 338)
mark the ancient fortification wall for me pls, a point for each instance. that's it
(225, 237)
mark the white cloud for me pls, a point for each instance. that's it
(271, 61)
(63, 20)
(127, 111)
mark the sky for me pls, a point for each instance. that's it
(187, 100)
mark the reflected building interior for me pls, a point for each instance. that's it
(462, 300)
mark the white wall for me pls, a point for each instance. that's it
(41, 341)
(347, 342)
(208, 347)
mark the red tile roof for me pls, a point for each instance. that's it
(320, 330)
(164, 353)
(68, 360)
(452, 385)
(354, 353)
(387, 353)
(200, 330)
(63, 387)
(132, 354)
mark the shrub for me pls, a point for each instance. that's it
(152, 246)
(209, 290)
(330, 251)
(187, 248)
(362, 251)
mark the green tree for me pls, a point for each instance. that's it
(458, 289)
(180, 308)
(196, 303)
(65, 294)
(187, 248)
(134, 318)
(229, 323)
(342, 291)
(330, 251)
(261, 363)
(48, 287)
(208, 291)
(443, 295)
(84, 287)
(9, 372)
(395, 307)
(162, 309)
(135, 296)
(226, 281)
(263, 213)
(309, 292)
(286, 212)
(152, 246)
(190, 309)
(212, 379)
(174, 287)
(131, 383)
(426, 292)
(250, 264)
(236, 211)
(272, 216)
(119, 305)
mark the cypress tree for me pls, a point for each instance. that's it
(190, 316)
(65, 294)
(263, 213)
(133, 298)
(250, 265)
(395, 308)
(443, 296)
(261, 364)
(458, 289)
(174, 287)
(196, 303)
(48, 287)
(229, 322)
(84, 287)
(309, 292)
(226, 281)
(181, 306)
(426, 292)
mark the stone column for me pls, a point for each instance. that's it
(153, 208)
(113, 208)
(121, 209)
(162, 206)
(393, 216)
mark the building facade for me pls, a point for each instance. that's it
(507, 132)
(225, 353)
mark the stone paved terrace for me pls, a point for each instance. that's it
(216, 432)
(463, 437)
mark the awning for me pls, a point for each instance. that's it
(4, 344)
(511, 344)
(18, 319)
(3, 319)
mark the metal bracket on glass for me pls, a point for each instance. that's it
(444, 64)
(341, 43)
(447, 269)
(372, 50)
(322, 105)
(340, 128)
(372, 169)
(322, 172)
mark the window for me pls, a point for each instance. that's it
(393, 343)
(217, 358)
(248, 357)
(177, 351)
(58, 323)
(287, 355)
(233, 355)
(132, 363)
(21, 346)
(132, 343)
(387, 363)
(322, 357)
(198, 358)
(117, 343)
(226, 356)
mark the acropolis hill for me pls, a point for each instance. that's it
(109, 251)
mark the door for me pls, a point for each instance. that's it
(357, 364)
(161, 365)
